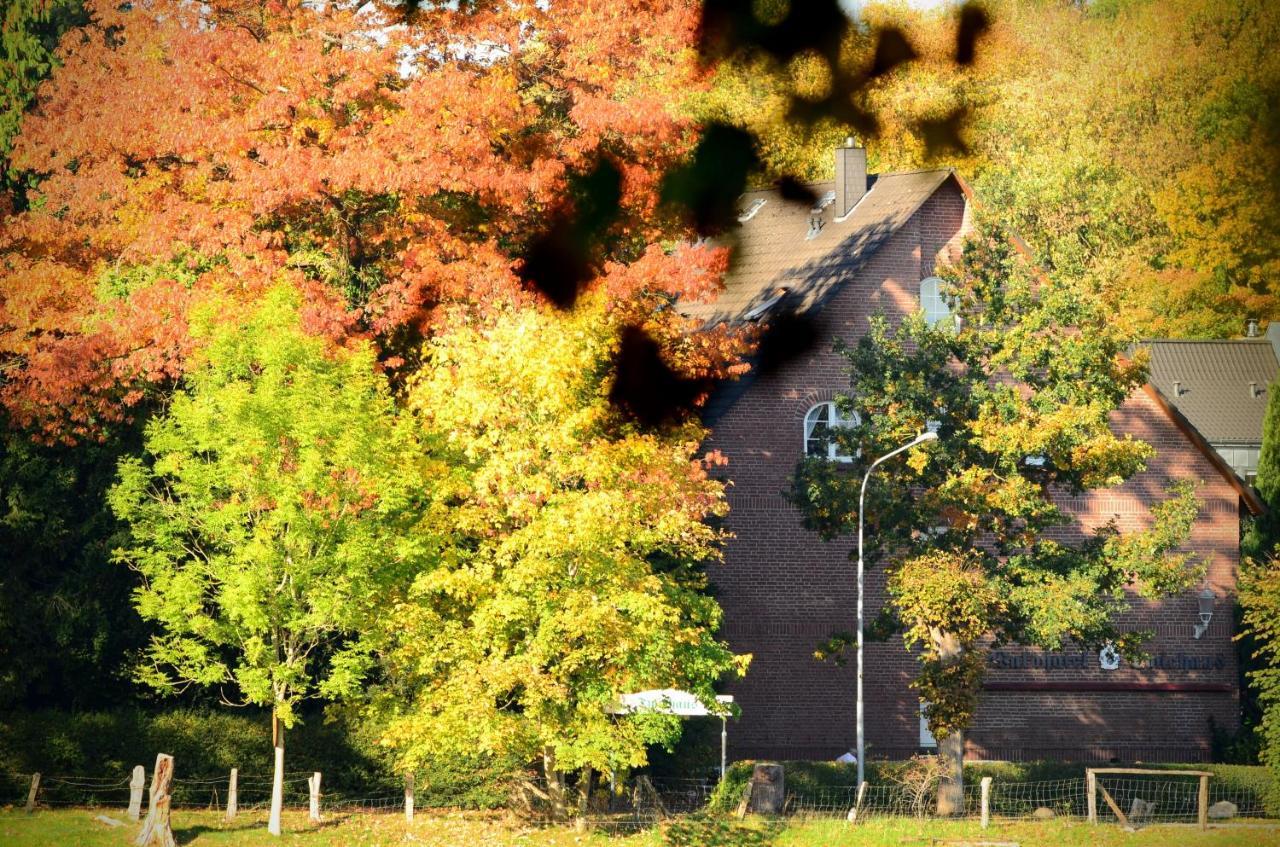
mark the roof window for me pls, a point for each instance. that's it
(759, 311)
(751, 210)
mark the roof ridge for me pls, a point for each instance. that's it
(881, 175)
(1204, 341)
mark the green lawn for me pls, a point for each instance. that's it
(207, 829)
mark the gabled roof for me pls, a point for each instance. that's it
(773, 253)
(1213, 388)
(777, 268)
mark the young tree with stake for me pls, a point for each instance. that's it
(270, 517)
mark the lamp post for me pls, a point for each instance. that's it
(862, 498)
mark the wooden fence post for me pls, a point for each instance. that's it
(1091, 794)
(1204, 802)
(232, 791)
(986, 801)
(408, 797)
(156, 829)
(314, 785)
(31, 795)
(136, 784)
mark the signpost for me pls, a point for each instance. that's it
(673, 701)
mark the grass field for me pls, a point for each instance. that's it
(77, 827)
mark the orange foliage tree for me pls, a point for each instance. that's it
(385, 158)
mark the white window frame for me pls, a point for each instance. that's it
(936, 309)
(834, 420)
(927, 741)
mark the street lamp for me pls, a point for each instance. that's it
(931, 435)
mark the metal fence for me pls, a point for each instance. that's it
(640, 802)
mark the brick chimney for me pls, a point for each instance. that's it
(851, 177)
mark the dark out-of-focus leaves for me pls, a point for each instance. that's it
(892, 49)
(559, 261)
(973, 23)
(708, 187)
(786, 337)
(645, 387)
(943, 135)
(838, 105)
(730, 25)
(794, 191)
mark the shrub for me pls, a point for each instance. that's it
(207, 744)
(807, 779)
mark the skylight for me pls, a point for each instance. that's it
(751, 210)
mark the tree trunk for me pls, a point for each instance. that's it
(586, 784)
(156, 829)
(951, 788)
(951, 748)
(277, 783)
(555, 784)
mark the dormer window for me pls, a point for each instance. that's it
(818, 425)
(935, 308)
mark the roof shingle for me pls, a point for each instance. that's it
(1214, 378)
(772, 253)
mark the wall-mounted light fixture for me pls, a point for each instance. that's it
(1205, 597)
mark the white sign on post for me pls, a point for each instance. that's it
(668, 701)
(673, 701)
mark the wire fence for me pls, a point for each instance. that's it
(640, 803)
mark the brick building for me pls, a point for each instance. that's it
(872, 244)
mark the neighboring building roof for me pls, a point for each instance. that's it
(1209, 382)
(773, 253)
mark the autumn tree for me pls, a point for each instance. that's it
(277, 505)
(386, 158)
(1019, 383)
(1131, 143)
(576, 565)
(29, 35)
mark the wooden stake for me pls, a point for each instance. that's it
(1124, 821)
(314, 785)
(1204, 802)
(408, 797)
(156, 829)
(1091, 794)
(233, 790)
(136, 784)
(31, 795)
(986, 802)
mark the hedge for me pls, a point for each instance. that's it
(207, 744)
(807, 779)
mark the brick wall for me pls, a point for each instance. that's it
(784, 590)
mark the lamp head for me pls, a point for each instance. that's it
(929, 435)
(1206, 599)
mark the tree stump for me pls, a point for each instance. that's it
(768, 789)
(156, 829)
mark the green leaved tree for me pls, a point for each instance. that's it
(1260, 587)
(277, 507)
(1019, 383)
(1263, 535)
(576, 568)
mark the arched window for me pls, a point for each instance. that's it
(818, 423)
(935, 308)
